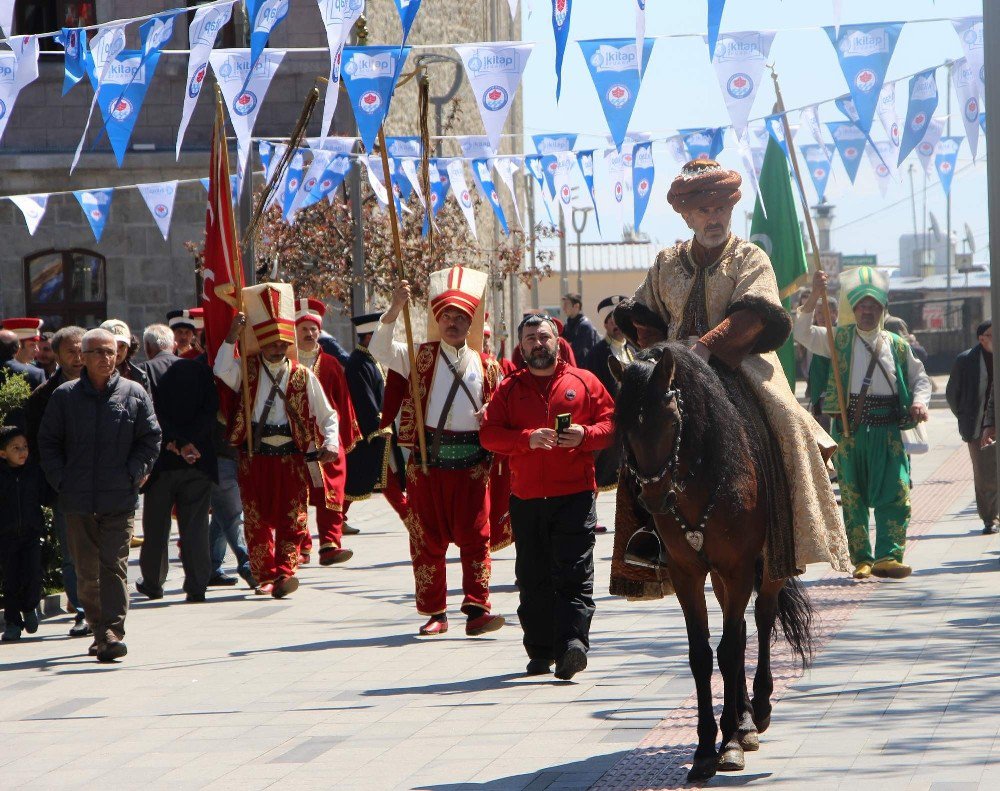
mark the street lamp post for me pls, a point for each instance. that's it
(585, 213)
(991, 33)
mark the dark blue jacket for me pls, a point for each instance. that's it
(22, 494)
(966, 392)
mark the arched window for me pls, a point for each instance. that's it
(65, 287)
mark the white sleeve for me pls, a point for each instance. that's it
(226, 366)
(389, 354)
(324, 414)
(809, 335)
(920, 383)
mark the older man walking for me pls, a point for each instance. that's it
(98, 441)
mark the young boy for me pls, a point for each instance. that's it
(22, 492)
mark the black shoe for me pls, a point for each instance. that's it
(572, 662)
(989, 529)
(195, 598)
(149, 594)
(80, 628)
(110, 651)
(30, 621)
(539, 667)
(221, 581)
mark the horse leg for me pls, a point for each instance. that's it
(747, 731)
(732, 655)
(765, 612)
(690, 590)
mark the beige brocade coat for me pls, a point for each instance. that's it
(745, 271)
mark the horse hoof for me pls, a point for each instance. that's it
(702, 769)
(731, 759)
(749, 741)
(763, 723)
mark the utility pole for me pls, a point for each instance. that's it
(563, 263)
(579, 246)
(245, 206)
(913, 205)
(531, 230)
(948, 249)
(991, 48)
(358, 294)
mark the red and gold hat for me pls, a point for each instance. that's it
(463, 289)
(197, 317)
(26, 329)
(309, 309)
(704, 183)
(270, 309)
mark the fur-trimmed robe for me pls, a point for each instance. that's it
(742, 280)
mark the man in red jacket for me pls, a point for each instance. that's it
(552, 492)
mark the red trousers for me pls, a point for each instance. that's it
(329, 523)
(275, 492)
(449, 507)
(393, 494)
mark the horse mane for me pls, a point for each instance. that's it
(713, 439)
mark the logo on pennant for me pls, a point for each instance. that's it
(245, 103)
(495, 98)
(739, 86)
(194, 87)
(560, 11)
(612, 64)
(370, 102)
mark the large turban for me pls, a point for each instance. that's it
(704, 183)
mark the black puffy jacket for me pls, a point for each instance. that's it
(22, 494)
(96, 447)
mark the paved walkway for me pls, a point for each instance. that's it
(331, 689)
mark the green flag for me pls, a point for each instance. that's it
(778, 234)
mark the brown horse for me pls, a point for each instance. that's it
(692, 457)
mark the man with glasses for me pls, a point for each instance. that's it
(98, 441)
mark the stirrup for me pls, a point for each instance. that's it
(644, 549)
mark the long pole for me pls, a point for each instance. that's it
(817, 261)
(397, 250)
(531, 231)
(991, 42)
(949, 252)
(563, 263)
(245, 198)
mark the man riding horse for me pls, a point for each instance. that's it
(718, 294)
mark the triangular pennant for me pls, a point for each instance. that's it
(17, 69)
(160, 201)
(888, 116)
(970, 33)
(585, 159)
(702, 143)
(739, 60)
(506, 167)
(928, 146)
(243, 89)
(400, 147)
(121, 94)
(370, 74)
(494, 72)
(562, 10)
(613, 65)
(339, 17)
(561, 166)
(920, 109)
(333, 176)
(263, 16)
(715, 9)
(817, 160)
(850, 142)
(290, 189)
(809, 116)
(880, 155)
(619, 179)
(945, 158)
(95, 204)
(864, 52)
(536, 167)
(265, 150)
(482, 175)
(409, 168)
(407, 13)
(74, 44)
(336, 145)
(33, 209)
(456, 175)
(551, 143)
(202, 32)
(440, 183)
(642, 179)
(640, 36)
(476, 147)
(966, 84)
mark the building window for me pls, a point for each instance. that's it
(45, 16)
(65, 287)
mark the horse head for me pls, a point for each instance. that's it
(650, 419)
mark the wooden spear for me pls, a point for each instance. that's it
(397, 249)
(817, 261)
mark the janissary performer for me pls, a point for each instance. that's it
(718, 292)
(290, 416)
(448, 502)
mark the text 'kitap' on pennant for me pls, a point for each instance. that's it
(263, 16)
(339, 17)
(850, 142)
(613, 66)
(642, 179)
(562, 11)
(33, 208)
(864, 52)
(202, 32)
(494, 71)
(923, 101)
(96, 204)
(945, 159)
(739, 60)
(369, 75)
(159, 199)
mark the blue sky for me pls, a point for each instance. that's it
(680, 90)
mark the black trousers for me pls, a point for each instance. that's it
(555, 572)
(191, 491)
(21, 559)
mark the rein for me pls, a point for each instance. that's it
(694, 534)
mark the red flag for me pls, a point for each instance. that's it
(222, 275)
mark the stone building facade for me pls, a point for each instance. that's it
(133, 273)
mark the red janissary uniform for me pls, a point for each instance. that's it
(329, 498)
(448, 503)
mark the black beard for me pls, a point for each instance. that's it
(541, 359)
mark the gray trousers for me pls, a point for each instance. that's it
(190, 491)
(99, 545)
(984, 474)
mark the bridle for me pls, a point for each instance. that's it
(694, 534)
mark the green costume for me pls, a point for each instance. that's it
(872, 466)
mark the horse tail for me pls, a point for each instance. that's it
(795, 615)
